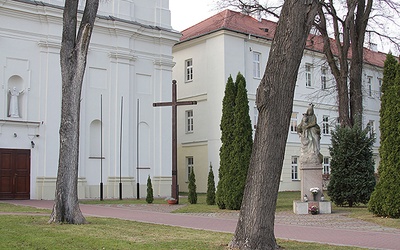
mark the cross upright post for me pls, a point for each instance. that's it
(174, 104)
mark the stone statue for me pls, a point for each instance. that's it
(14, 94)
(310, 167)
(310, 134)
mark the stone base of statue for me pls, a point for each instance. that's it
(311, 176)
(306, 207)
(312, 200)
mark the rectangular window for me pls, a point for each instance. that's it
(369, 85)
(295, 173)
(337, 122)
(371, 127)
(190, 164)
(327, 165)
(308, 75)
(325, 125)
(256, 65)
(380, 87)
(293, 123)
(323, 77)
(189, 121)
(188, 70)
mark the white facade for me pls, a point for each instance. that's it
(130, 57)
(222, 52)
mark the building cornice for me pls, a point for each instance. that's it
(56, 11)
(20, 122)
(199, 98)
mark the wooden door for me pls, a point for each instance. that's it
(15, 174)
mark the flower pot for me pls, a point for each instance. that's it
(171, 202)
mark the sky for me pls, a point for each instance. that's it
(186, 13)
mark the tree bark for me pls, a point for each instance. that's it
(357, 34)
(73, 54)
(349, 33)
(255, 229)
(338, 64)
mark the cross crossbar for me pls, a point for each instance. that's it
(169, 104)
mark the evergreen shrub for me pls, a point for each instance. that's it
(210, 187)
(385, 200)
(192, 197)
(352, 178)
(149, 196)
(227, 119)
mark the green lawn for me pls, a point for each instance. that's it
(285, 203)
(27, 231)
(10, 208)
(33, 232)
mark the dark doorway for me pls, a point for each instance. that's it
(15, 174)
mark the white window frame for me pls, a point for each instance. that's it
(371, 126)
(189, 166)
(326, 165)
(189, 118)
(369, 85)
(295, 168)
(324, 71)
(189, 70)
(308, 73)
(325, 125)
(380, 87)
(337, 122)
(293, 122)
(256, 65)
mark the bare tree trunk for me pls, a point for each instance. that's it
(357, 33)
(255, 229)
(338, 64)
(356, 96)
(351, 34)
(74, 48)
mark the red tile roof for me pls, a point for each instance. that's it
(245, 24)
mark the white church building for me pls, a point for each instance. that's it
(122, 137)
(231, 42)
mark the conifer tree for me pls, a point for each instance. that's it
(226, 126)
(149, 196)
(242, 145)
(385, 200)
(210, 187)
(192, 197)
(352, 178)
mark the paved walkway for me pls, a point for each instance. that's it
(336, 228)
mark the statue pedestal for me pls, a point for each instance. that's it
(302, 207)
(311, 176)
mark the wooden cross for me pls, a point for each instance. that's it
(174, 104)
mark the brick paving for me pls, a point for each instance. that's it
(335, 220)
(335, 228)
